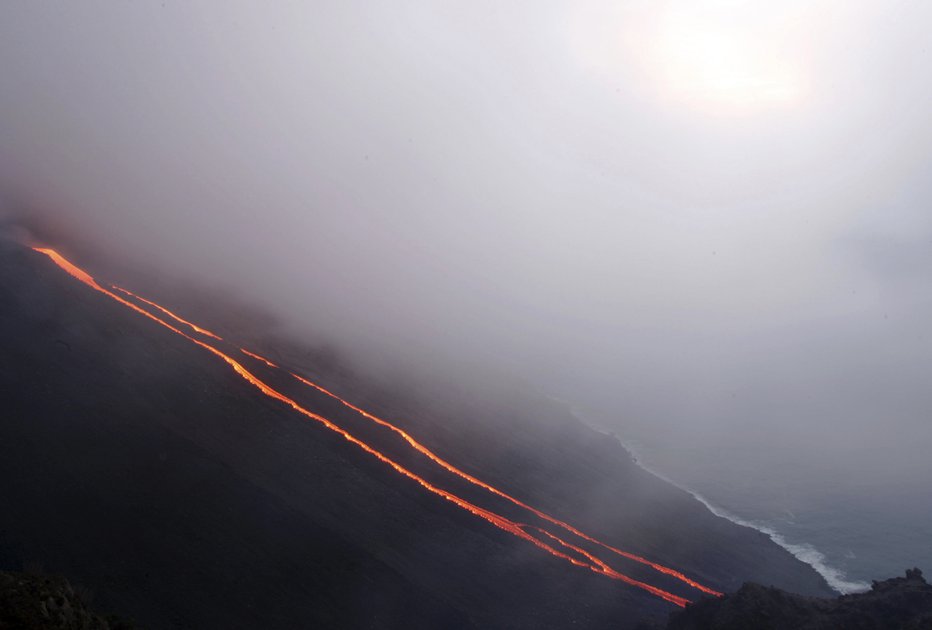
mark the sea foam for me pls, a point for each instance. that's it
(804, 552)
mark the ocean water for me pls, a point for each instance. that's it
(850, 525)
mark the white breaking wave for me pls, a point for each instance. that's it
(804, 552)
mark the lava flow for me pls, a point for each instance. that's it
(447, 465)
(257, 357)
(478, 482)
(516, 529)
(194, 327)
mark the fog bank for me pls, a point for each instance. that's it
(709, 221)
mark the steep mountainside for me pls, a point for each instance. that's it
(140, 465)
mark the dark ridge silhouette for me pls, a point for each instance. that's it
(903, 603)
(50, 602)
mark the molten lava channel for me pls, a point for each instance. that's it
(492, 489)
(194, 327)
(588, 560)
(257, 357)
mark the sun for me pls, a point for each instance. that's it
(712, 55)
(716, 59)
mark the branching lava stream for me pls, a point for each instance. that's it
(581, 557)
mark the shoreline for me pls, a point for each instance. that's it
(804, 552)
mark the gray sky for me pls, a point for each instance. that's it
(706, 218)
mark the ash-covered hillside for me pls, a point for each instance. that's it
(143, 466)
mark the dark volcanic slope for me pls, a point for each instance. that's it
(142, 467)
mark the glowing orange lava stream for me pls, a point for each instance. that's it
(195, 327)
(492, 489)
(478, 482)
(256, 356)
(594, 564)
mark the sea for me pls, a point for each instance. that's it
(851, 528)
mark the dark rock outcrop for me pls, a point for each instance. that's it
(899, 603)
(41, 602)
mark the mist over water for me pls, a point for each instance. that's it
(849, 532)
(706, 225)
